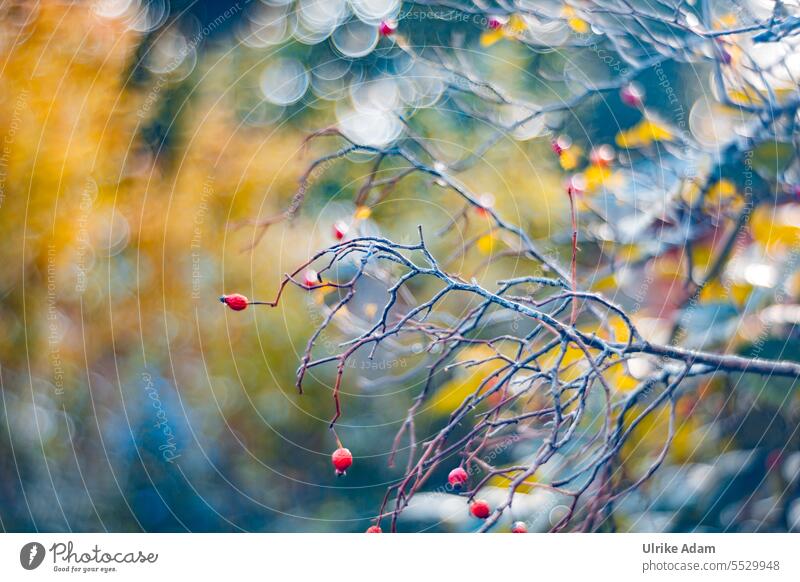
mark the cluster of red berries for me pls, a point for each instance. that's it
(342, 458)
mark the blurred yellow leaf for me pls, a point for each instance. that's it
(737, 293)
(363, 212)
(490, 37)
(643, 134)
(690, 191)
(503, 482)
(516, 25)
(466, 380)
(599, 176)
(511, 29)
(776, 227)
(572, 365)
(573, 21)
(570, 158)
(620, 379)
(722, 190)
(724, 21)
(649, 436)
(486, 244)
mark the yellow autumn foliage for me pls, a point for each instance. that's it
(466, 379)
(776, 228)
(644, 133)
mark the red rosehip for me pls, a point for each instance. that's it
(519, 527)
(486, 202)
(374, 529)
(236, 301)
(342, 458)
(310, 278)
(387, 27)
(576, 184)
(560, 144)
(602, 155)
(496, 22)
(480, 509)
(457, 478)
(632, 95)
(340, 229)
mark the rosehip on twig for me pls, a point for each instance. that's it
(576, 184)
(342, 459)
(561, 144)
(519, 527)
(236, 301)
(496, 22)
(457, 478)
(310, 278)
(486, 202)
(340, 229)
(480, 509)
(602, 155)
(387, 27)
(632, 95)
(374, 529)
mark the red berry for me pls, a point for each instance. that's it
(342, 458)
(374, 529)
(560, 144)
(486, 202)
(340, 229)
(457, 478)
(576, 184)
(480, 509)
(310, 278)
(387, 27)
(496, 22)
(632, 95)
(602, 155)
(236, 301)
(519, 527)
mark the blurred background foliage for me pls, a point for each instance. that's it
(140, 140)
